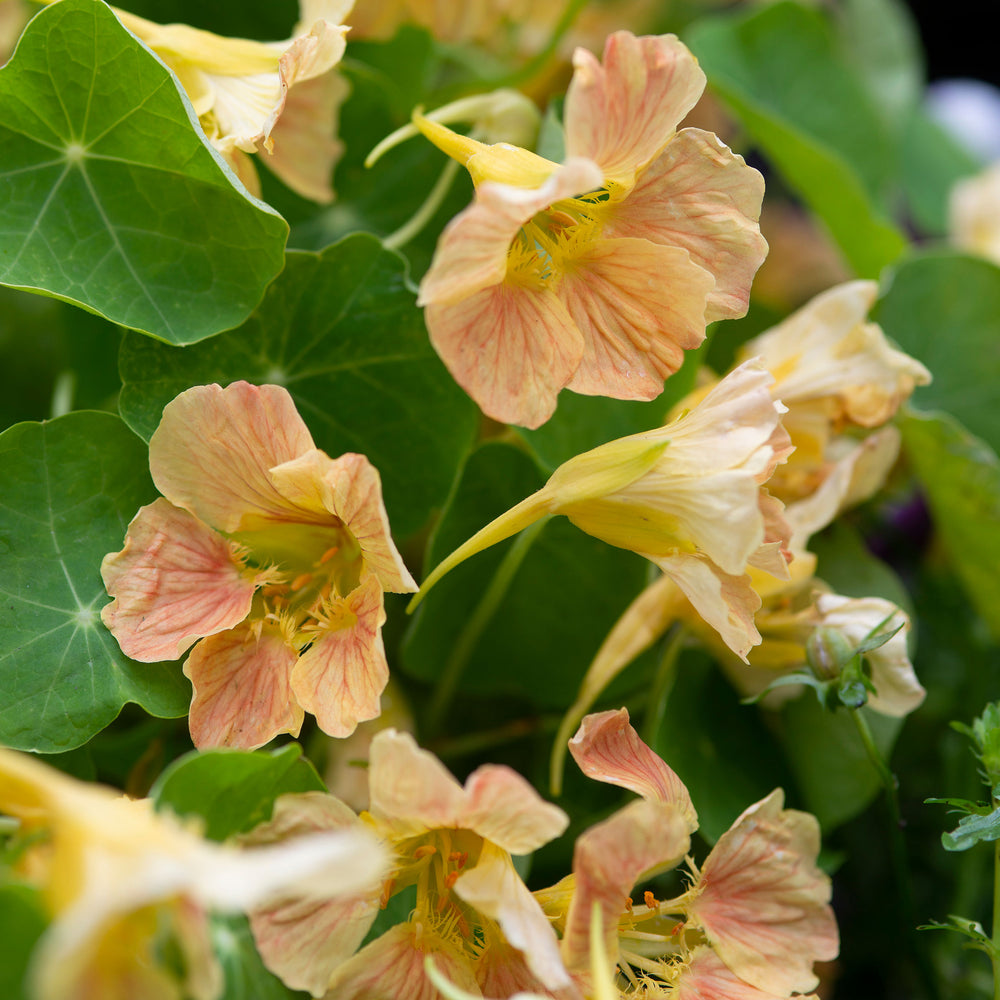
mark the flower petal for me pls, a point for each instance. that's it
(242, 692)
(706, 977)
(643, 838)
(175, 581)
(504, 808)
(301, 940)
(639, 306)
(623, 113)
(214, 448)
(349, 488)
(728, 603)
(411, 790)
(340, 678)
(763, 902)
(511, 348)
(700, 196)
(495, 889)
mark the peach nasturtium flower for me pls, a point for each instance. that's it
(267, 553)
(124, 885)
(594, 275)
(279, 99)
(687, 496)
(754, 919)
(473, 913)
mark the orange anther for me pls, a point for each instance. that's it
(302, 580)
(383, 900)
(451, 879)
(628, 903)
(424, 851)
(650, 899)
(678, 928)
(459, 858)
(329, 554)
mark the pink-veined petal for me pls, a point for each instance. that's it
(763, 902)
(504, 808)
(622, 113)
(410, 789)
(392, 967)
(643, 838)
(510, 347)
(638, 306)
(242, 692)
(607, 748)
(728, 603)
(700, 196)
(175, 581)
(706, 977)
(349, 488)
(495, 889)
(214, 448)
(340, 678)
(303, 941)
(472, 252)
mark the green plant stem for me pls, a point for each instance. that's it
(897, 854)
(484, 611)
(662, 685)
(995, 951)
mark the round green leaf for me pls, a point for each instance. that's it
(233, 790)
(110, 196)
(341, 331)
(69, 489)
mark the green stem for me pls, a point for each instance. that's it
(662, 685)
(995, 950)
(483, 614)
(426, 212)
(897, 854)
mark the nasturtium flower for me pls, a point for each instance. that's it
(124, 885)
(472, 913)
(974, 214)
(594, 275)
(267, 554)
(687, 496)
(279, 99)
(755, 918)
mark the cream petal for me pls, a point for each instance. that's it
(495, 889)
(392, 966)
(706, 977)
(214, 448)
(898, 692)
(643, 838)
(349, 488)
(410, 789)
(622, 113)
(175, 581)
(700, 196)
(727, 603)
(638, 306)
(242, 692)
(504, 808)
(471, 254)
(510, 348)
(763, 902)
(607, 748)
(340, 678)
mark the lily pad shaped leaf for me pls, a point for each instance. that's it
(69, 488)
(110, 196)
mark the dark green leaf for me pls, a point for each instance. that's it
(110, 197)
(233, 790)
(544, 627)
(944, 309)
(971, 830)
(70, 488)
(779, 70)
(341, 332)
(960, 476)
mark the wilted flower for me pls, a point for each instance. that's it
(454, 844)
(122, 884)
(686, 496)
(275, 98)
(755, 918)
(595, 275)
(272, 554)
